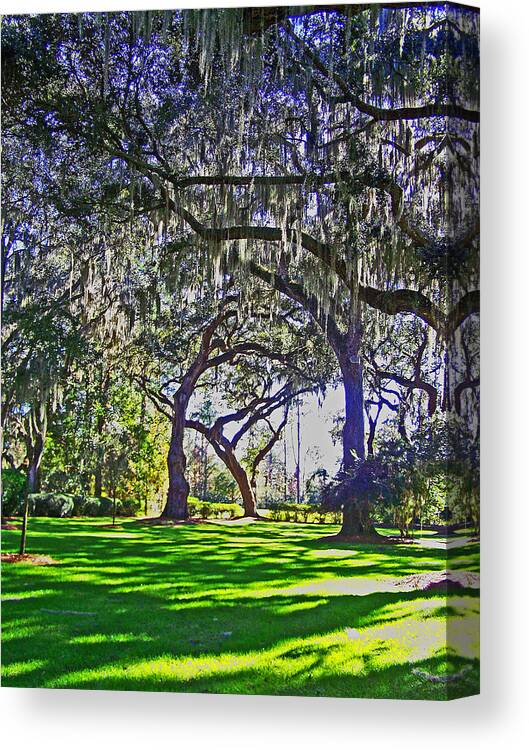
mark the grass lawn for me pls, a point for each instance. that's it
(228, 608)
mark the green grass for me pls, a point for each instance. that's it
(263, 608)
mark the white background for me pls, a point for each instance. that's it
(500, 716)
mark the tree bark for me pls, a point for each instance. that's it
(24, 532)
(356, 512)
(356, 520)
(353, 429)
(176, 506)
(32, 486)
(104, 382)
(249, 502)
(298, 453)
(34, 464)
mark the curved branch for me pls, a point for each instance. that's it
(380, 114)
(458, 392)
(389, 302)
(416, 383)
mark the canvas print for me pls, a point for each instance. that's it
(240, 350)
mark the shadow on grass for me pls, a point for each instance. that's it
(207, 609)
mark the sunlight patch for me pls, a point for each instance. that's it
(284, 609)
(335, 553)
(21, 667)
(113, 638)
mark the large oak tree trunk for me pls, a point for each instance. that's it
(356, 516)
(356, 520)
(176, 506)
(353, 429)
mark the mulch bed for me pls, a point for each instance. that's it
(10, 523)
(167, 522)
(371, 539)
(440, 580)
(32, 559)
(444, 678)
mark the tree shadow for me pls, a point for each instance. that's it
(206, 595)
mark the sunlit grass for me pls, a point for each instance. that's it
(264, 608)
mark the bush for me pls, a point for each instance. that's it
(204, 509)
(51, 504)
(226, 510)
(13, 486)
(47, 504)
(18, 507)
(94, 507)
(88, 506)
(128, 507)
(304, 512)
(59, 504)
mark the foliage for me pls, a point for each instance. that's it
(158, 162)
(302, 513)
(63, 505)
(368, 481)
(13, 487)
(204, 509)
(47, 504)
(52, 504)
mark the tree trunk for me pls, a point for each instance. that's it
(356, 515)
(176, 506)
(356, 520)
(371, 438)
(226, 452)
(204, 491)
(98, 480)
(23, 534)
(34, 464)
(32, 486)
(249, 502)
(353, 429)
(227, 455)
(100, 426)
(253, 485)
(298, 456)
(285, 471)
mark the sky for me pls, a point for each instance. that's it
(316, 420)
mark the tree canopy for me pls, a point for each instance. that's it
(263, 203)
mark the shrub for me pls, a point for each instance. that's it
(18, 506)
(128, 507)
(88, 506)
(304, 512)
(48, 504)
(51, 504)
(106, 506)
(193, 504)
(204, 509)
(226, 510)
(13, 486)
(94, 506)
